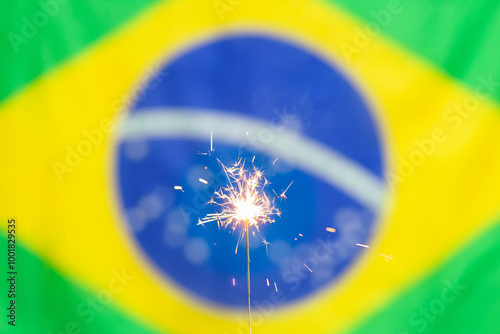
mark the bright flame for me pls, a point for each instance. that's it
(243, 200)
(246, 210)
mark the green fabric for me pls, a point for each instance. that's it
(70, 27)
(446, 33)
(427, 307)
(47, 302)
(461, 37)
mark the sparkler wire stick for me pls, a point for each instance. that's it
(248, 280)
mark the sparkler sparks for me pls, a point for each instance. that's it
(282, 195)
(264, 241)
(211, 141)
(387, 257)
(243, 200)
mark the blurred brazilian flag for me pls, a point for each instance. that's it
(393, 111)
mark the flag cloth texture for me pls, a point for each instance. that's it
(385, 115)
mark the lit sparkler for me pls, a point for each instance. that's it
(243, 203)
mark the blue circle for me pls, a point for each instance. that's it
(283, 85)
